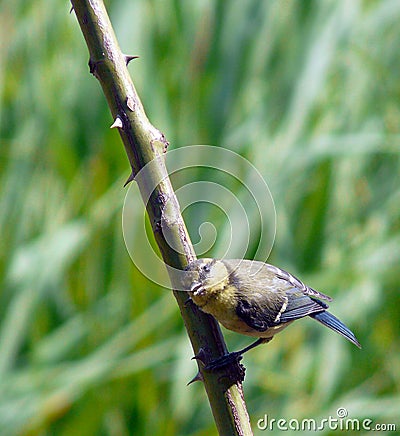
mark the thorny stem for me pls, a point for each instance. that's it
(144, 143)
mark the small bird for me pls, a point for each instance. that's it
(256, 299)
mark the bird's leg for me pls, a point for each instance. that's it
(235, 356)
(259, 341)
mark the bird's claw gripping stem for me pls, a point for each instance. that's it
(227, 359)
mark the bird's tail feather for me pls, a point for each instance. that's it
(333, 323)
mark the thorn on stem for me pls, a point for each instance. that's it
(117, 124)
(92, 66)
(130, 178)
(197, 377)
(200, 356)
(130, 103)
(129, 58)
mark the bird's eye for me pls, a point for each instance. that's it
(206, 268)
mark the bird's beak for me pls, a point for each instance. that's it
(197, 288)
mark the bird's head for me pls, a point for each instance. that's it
(206, 277)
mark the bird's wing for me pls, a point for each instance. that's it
(268, 309)
(299, 306)
(290, 278)
(254, 267)
(269, 296)
(254, 314)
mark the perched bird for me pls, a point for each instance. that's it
(256, 299)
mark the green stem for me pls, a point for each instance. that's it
(144, 143)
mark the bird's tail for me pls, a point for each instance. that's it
(333, 323)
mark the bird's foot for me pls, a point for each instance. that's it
(227, 359)
(236, 369)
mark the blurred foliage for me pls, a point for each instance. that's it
(308, 91)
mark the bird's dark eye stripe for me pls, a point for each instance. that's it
(207, 266)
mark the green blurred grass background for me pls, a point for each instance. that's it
(306, 90)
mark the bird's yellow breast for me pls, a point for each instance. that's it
(221, 304)
(218, 301)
